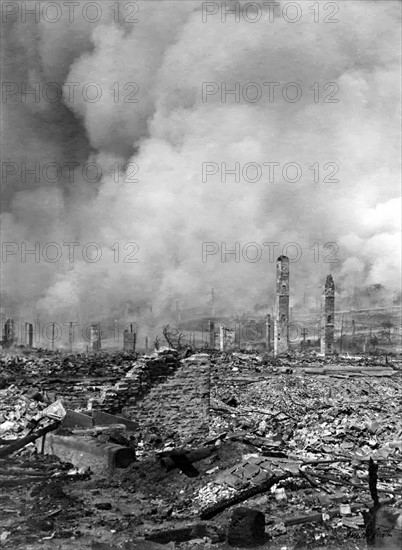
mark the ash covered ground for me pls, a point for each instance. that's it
(286, 438)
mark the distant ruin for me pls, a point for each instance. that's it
(281, 316)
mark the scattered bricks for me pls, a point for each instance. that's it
(16, 410)
(262, 476)
(231, 480)
(250, 470)
(245, 473)
(246, 528)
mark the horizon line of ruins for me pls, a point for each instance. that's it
(280, 324)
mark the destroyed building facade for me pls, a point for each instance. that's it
(226, 338)
(9, 333)
(281, 317)
(328, 316)
(130, 338)
(29, 331)
(95, 337)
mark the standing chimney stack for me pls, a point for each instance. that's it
(95, 337)
(211, 329)
(281, 318)
(268, 332)
(130, 338)
(29, 334)
(328, 316)
(9, 333)
(222, 338)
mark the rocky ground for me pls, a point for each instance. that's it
(290, 438)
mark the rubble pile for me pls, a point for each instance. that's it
(46, 363)
(17, 409)
(317, 415)
(82, 381)
(216, 433)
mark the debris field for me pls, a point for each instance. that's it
(190, 450)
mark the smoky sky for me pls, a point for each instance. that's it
(152, 131)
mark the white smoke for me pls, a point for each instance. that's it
(170, 132)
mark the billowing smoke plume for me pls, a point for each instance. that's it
(161, 130)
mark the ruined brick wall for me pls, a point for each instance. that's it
(178, 407)
(129, 341)
(145, 373)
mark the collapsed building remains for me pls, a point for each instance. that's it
(129, 339)
(95, 337)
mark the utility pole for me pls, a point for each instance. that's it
(212, 303)
(71, 336)
(268, 332)
(178, 314)
(52, 336)
(37, 330)
(340, 342)
(369, 343)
